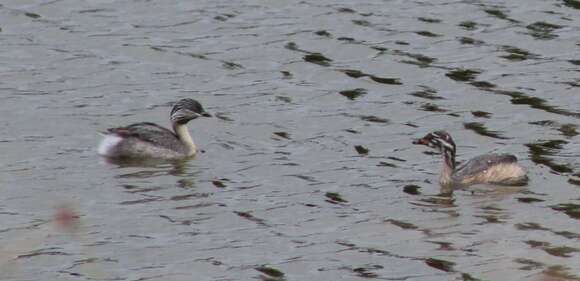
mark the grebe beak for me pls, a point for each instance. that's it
(422, 141)
(205, 114)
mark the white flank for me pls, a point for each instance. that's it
(108, 143)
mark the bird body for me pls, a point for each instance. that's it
(502, 169)
(149, 140)
(489, 168)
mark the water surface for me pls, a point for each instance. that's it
(307, 171)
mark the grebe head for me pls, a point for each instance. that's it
(186, 110)
(442, 141)
(439, 139)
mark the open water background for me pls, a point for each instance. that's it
(281, 191)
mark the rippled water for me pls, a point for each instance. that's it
(308, 172)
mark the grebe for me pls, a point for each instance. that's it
(501, 169)
(149, 140)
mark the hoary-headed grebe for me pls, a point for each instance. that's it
(501, 169)
(149, 140)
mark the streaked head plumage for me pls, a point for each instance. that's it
(439, 139)
(442, 141)
(186, 110)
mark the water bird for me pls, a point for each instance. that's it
(500, 169)
(149, 140)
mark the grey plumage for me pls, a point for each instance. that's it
(487, 168)
(481, 163)
(149, 140)
(150, 133)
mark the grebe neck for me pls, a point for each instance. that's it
(183, 134)
(448, 166)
